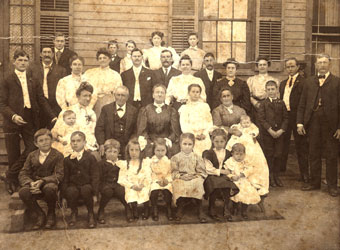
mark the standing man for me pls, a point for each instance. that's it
(117, 121)
(138, 80)
(21, 100)
(290, 93)
(319, 115)
(112, 47)
(209, 77)
(48, 74)
(62, 55)
(164, 74)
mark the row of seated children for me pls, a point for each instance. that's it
(135, 181)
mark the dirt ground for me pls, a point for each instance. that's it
(312, 221)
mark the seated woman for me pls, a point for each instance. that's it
(195, 118)
(227, 114)
(152, 55)
(177, 91)
(104, 81)
(126, 62)
(67, 86)
(159, 120)
(217, 183)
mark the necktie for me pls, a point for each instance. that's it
(322, 77)
(166, 72)
(58, 56)
(290, 82)
(119, 109)
(45, 87)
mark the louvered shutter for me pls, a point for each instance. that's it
(55, 17)
(269, 31)
(183, 20)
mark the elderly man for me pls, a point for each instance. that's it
(319, 114)
(117, 121)
(164, 74)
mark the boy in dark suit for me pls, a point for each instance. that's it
(39, 178)
(21, 102)
(80, 179)
(108, 186)
(273, 119)
(62, 55)
(112, 47)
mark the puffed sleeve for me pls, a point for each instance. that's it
(174, 168)
(216, 117)
(184, 120)
(175, 126)
(203, 92)
(60, 93)
(200, 167)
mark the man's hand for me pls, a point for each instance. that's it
(101, 150)
(279, 133)
(301, 130)
(337, 134)
(64, 203)
(272, 133)
(17, 119)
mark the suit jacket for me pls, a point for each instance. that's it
(12, 101)
(108, 174)
(106, 125)
(295, 94)
(273, 115)
(145, 82)
(64, 60)
(51, 171)
(209, 86)
(240, 90)
(54, 75)
(115, 64)
(159, 76)
(330, 101)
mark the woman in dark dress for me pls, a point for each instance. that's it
(158, 120)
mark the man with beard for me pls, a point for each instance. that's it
(48, 74)
(164, 74)
(209, 77)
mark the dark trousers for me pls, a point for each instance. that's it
(49, 194)
(16, 159)
(73, 193)
(154, 197)
(321, 139)
(107, 192)
(301, 146)
(273, 151)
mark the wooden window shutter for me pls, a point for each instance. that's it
(269, 31)
(183, 19)
(55, 16)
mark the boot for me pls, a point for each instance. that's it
(74, 214)
(277, 180)
(201, 216)
(226, 212)
(244, 213)
(179, 212)
(272, 182)
(212, 207)
(261, 205)
(155, 213)
(145, 214)
(41, 217)
(135, 210)
(128, 213)
(90, 219)
(100, 216)
(234, 207)
(50, 218)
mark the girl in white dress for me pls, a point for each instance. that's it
(135, 177)
(188, 174)
(161, 180)
(152, 56)
(126, 62)
(255, 156)
(195, 117)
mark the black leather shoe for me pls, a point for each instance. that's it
(309, 187)
(40, 221)
(100, 216)
(50, 220)
(333, 192)
(169, 213)
(73, 219)
(278, 182)
(91, 221)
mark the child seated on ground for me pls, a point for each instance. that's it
(108, 177)
(39, 178)
(135, 177)
(80, 179)
(161, 180)
(240, 171)
(188, 174)
(62, 133)
(255, 156)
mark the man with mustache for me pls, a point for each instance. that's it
(48, 74)
(164, 74)
(209, 77)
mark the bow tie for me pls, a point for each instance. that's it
(321, 76)
(120, 109)
(47, 67)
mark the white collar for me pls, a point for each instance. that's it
(20, 73)
(113, 163)
(209, 71)
(193, 47)
(271, 99)
(158, 105)
(44, 154)
(138, 69)
(294, 76)
(122, 107)
(61, 50)
(326, 75)
(47, 65)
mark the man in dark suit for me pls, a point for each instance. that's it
(21, 100)
(318, 116)
(164, 74)
(118, 120)
(112, 47)
(48, 74)
(62, 55)
(290, 93)
(209, 77)
(138, 80)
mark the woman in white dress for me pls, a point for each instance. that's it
(195, 118)
(152, 56)
(126, 62)
(104, 81)
(67, 86)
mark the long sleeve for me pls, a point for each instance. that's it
(302, 105)
(95, 176)
(184, 119)
(26, 172)
(246, 98)
(100, 128)
(216, 117)
(4, 95)
(123, 174)
(175, 126)
(210, 169)
(262, 116)
(142, 123)
(66, 180)
(200, 167)
(60, 94)
(285, 120)
(174, 168)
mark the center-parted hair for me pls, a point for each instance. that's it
(189, 136)
(271, 83)
(193, 86)
(159, 142)
(219, 132)
(133, 141)
(185, 57)
(111, 143)
(157, 33)
(103, 51)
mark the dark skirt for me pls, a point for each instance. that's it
(213, 182)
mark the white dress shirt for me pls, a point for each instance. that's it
(43, 156)
(210, 74)
(23, 81)
(322, 80)
(121, 113)
(136, 94)
(45, 86)
(288, 90)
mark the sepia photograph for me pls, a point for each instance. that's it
(169, 124)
